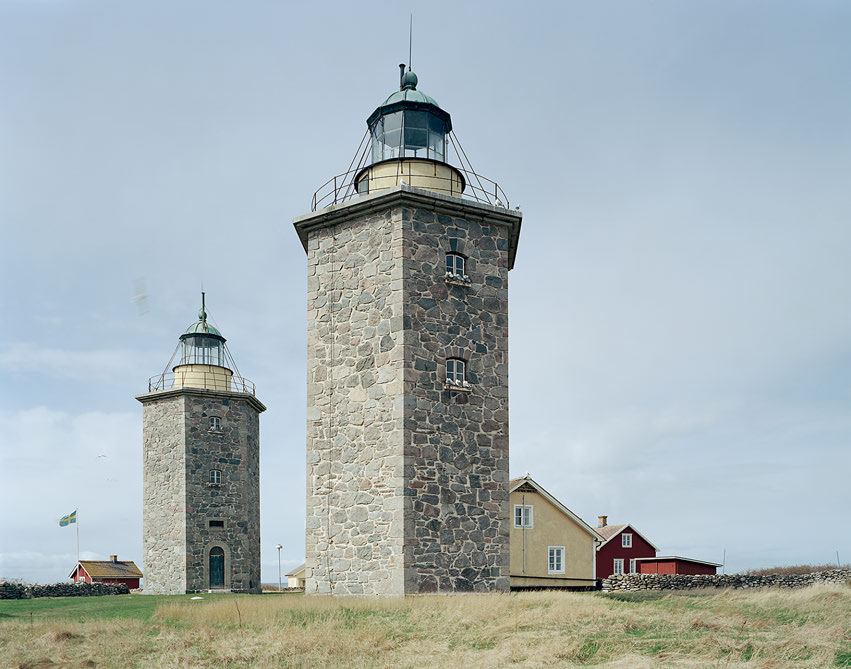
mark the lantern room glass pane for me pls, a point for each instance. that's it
(416, 119)
(416, 141)
(408, 133)
(436, 146)
(202, 350)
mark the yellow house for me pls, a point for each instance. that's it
(551, 547)
(295, 578)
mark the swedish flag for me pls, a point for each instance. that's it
(67, 520)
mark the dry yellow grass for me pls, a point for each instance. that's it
(771, 628)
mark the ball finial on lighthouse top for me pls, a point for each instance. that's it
(409, 81)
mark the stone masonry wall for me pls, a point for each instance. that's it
(355, 416)
(406, 481)
(164, 495)
(456, 443)
(233, 450)
(637, 582)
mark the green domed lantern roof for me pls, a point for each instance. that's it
(202, 327)
(408, 92)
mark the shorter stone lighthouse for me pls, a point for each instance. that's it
(201, 459)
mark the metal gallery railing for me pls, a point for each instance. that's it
(206, 380)
(342, 187)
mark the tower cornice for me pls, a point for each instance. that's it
(202, 392)
(405, 195)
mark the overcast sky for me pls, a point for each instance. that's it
(680, 330)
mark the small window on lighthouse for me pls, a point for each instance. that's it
(456, 267)
(456, 372)
(215, 423)
(216, 476)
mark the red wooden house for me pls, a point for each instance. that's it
(674, 564)
(107, 571)
(621, 549)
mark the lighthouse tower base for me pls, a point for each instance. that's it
(201, 530)
(407, 478)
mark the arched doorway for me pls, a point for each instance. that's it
(217, 567)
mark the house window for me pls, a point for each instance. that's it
(215, 423)
(556, 560)
(216, 524)
(632, 567)
(523, 516)
(618, 566)
(216, 476)
(626, 541)
(456, 372)
(455, 266)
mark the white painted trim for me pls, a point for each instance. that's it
(561, 507)
(531, 524)
(594, 560)
(614, 566)
(80, 565)
(633, 566)
(624, 528)
(563, 551)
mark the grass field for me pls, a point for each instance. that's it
(769, 628)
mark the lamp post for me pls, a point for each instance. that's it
(280, 583)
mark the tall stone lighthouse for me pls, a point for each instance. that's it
(201, 453)
(407, 390)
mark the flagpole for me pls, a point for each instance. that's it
(77, 523)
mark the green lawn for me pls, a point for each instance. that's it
(79, 609)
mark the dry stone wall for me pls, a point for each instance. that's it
(638, 582)
(11, 590)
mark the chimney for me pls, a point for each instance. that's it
(602, 521)
(113, 558)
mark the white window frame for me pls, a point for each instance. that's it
(559, 550)
(215, 424)
(215, 477)
(530, 520)
(617, 566)
(458, 375)
(456, 272)
(626, 540)
(633, 566)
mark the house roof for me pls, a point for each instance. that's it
(513, 484)
(660, 558)
(609, 532)
(109, 569)
(295, 572)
